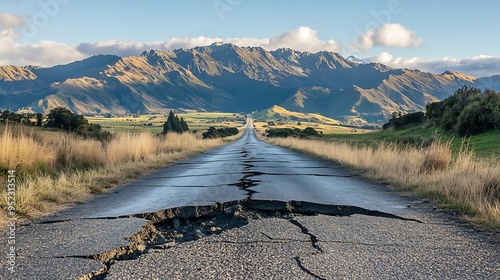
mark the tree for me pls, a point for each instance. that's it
(174, 124)
(184, 125)
(5, 116)
(64, 119)
(26, 118)
(15, 118)
(39, 119)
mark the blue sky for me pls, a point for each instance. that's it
(429, 35)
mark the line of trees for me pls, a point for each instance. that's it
(58, 118)
(21, 118)
(469, 111)
(400, 121)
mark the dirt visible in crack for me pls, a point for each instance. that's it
(245, 183)
(173, 226)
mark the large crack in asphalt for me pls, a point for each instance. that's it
(169, 227)
(257, 174)
(245, 183)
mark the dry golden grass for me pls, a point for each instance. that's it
(466, 183)
(53, 172)
(73, 151)
(19, 149)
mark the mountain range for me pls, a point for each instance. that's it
(226, 77)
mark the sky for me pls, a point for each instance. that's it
(432, 36)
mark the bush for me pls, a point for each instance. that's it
(213, 133)
(289, 132)
(93, 131)
(474, 119)
(309, 131)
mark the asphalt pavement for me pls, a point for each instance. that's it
(252, 210)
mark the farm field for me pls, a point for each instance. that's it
(154, 123)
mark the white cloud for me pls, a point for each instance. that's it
(480, 66)
(49, 53)
(11, 21)
(188, 42)
(120, 48)
(389, 35)
(302, 39)
(45, 53)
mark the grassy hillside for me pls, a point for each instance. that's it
(280, 113)
(282, 118)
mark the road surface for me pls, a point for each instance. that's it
(252, 210)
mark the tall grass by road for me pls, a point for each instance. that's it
(464, 182)
(56, 169)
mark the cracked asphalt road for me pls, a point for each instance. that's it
(252, 210)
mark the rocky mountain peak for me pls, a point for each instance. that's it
(226, 77)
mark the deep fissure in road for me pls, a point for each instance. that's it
(245, 183)
(170, 227)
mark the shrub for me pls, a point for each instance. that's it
(474, 119)
(213, 133)
(93, 131)
(289, 132)
(309, 131)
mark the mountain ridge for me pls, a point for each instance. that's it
(226, 77)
